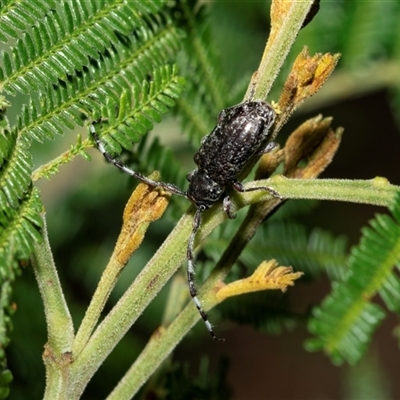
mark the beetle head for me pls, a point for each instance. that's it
(203, 191)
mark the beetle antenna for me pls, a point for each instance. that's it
(169, 187)
(191, 273)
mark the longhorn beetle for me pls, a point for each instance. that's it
(242, 132)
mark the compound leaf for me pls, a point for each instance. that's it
(63, 40)
(123, 64)
(344, 323)
(139, 108)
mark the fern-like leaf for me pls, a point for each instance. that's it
(19, 203)
(160, 158)
(347, 318)
(62, 42)
(17, 16)
(19, 227)
(15, 171)
(126, 63)
(6, 310)
(291, 244)
(139, 108)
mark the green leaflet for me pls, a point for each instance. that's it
(15, 170)
(344, 323)
(16, 16)
(64, 39)
(139, 108)
(121, 66)
(19, 229)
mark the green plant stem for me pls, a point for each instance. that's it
(60, 328)
(149, 282)
(107, 282)
(277, 49)
(172, 253)
(161, 344)
(377, 191)
(58, 318)
(178, 296)
(165, 340)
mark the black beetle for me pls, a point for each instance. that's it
(242, 132)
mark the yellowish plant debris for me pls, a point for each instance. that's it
(307, 76)
(268, 276)
(145, 205)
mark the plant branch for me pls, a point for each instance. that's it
(172, 253)
(164, 340)
(377, 191)
(161, 344)
(145, 205)
(286, 21)
(60, 329)
(59, 322)
(149, 282)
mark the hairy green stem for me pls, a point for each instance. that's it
(178, 296)
(107, 282)
(161, 344)
(377, 191)
(60, 328)
(58, 318)
(149, 282)
(277, 49)
(165, 340)
(52, 166)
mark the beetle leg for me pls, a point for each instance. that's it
(191, 274)
(238, 186)
(267, 149)
(227, 205)
(116, 162)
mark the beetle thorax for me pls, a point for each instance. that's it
(203, 191)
